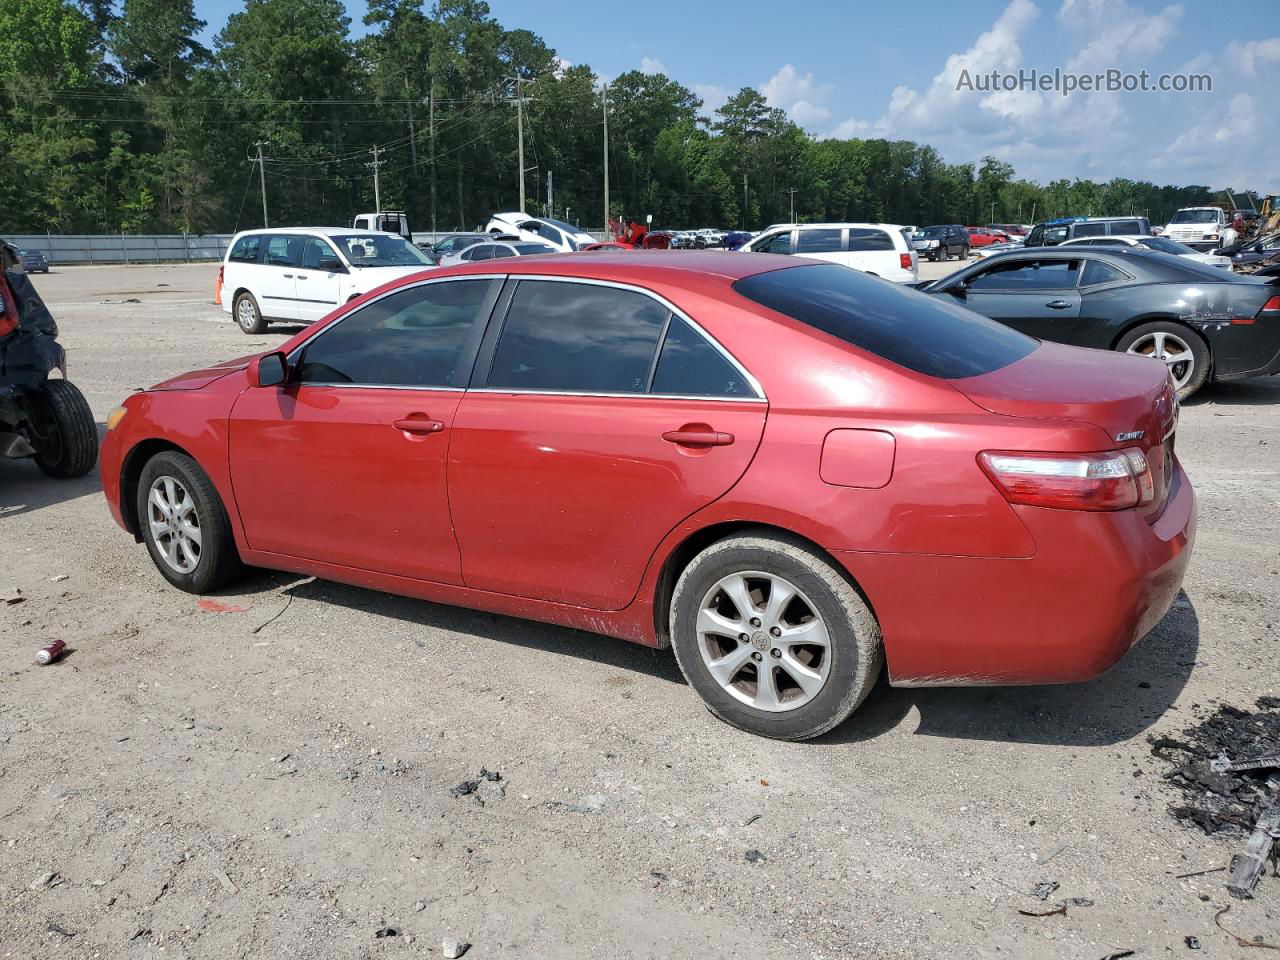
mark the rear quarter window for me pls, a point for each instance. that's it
(914, 330)
(246, 249)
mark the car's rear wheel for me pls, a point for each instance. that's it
(773, 637)
(1183, 351)
(185, 525)
(65, 432)
(249, 314)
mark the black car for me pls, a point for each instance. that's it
(1205, 323)
(456, 243)
(33, 261)
(1251, 253)
(41, 417)
(941, 242)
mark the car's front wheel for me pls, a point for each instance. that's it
(185, 525)
(249, 314)
(1182, 350)
(65, 432)
(773, 637)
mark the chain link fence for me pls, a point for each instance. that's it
(67, 248)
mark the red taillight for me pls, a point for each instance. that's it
(1072, 481)
(1271, 306)
(905, 259)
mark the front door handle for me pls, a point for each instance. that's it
(1058, 304)
(289, 275)
(419, 424)
(698, 438)
(300, 276)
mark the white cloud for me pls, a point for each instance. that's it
(652, 65)
(798, 95)
(561, 66)
(1253, 54)
(713, 96)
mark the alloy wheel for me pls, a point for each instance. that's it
(245, 313)
(764, 641)
(174, 524)
(1172, 349)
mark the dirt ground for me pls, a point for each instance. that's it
(227, 785)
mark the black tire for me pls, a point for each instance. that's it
(69, 447)
(933, 257)
(1201, 358)
(219, 560)
(855, 646)
(249, 316)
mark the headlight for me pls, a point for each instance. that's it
(115, 416)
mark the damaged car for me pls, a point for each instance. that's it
(1205, 323)
(44, 418)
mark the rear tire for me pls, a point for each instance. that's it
(839, 672)
(1166, 340)
(248, 314)
(72, 446)
(177, 503)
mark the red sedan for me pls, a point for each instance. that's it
(788, 471)
(984, 236)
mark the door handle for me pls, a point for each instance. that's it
(289, 275)
(1058, 304)
(300, 276)
(698, 438)
(418, 424)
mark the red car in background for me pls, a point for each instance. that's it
(985, 236)
(789, 471)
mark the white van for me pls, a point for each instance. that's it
(301, 274)
(880, 249)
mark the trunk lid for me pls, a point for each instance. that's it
(1120, 393)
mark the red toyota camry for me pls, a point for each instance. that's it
(792, 473)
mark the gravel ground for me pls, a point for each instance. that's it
(225, 784)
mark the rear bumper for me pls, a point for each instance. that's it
(1096, 585)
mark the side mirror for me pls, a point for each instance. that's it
(958, 289)
(333, 265)
(268, 370)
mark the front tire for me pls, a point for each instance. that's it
(249, 315)
(774, 639)
(185, 525)
(68, 434)
(1183, 351)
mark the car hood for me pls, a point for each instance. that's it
(195, 379)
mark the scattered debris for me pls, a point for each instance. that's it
(1043, 889)
(1256, 942)
(1198, 873)
(1119, 956)
(1193, 943)
(752, 819)
(386, 932)
(754, 856)
(1051, 854)
(50, 652)
(1060, 909)
(1224, 764)
(209, 605)
(1247, 867)
(14, 600)
(274, 617)
(227, 883)
(592, 803)
(658, 875)
(50, 878)
(465, 788)
(59, 578)
(452, 949)
(493, 776)
(61, 931)
(142, 932)
(419, 907)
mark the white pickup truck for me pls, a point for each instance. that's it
(1198, 227)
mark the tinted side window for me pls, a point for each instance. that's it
(818, 241)
(1036, 237)
(1125, 228)
(778, 243)
(1095, 272)
(579, 337)
(413, 338)
(284, 250)
(314, 251)
(1027, 275)
(861, 239)
(500, 251)
(246, 249)
(689, 366)
(914, 330)
(483, 251)
(1088, 229)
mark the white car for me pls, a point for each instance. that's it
(880, 249)
(565, 237)
(1163, 244)
(497, 251)
(301, 274)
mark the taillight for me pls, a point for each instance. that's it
(905, 260)
(1072, 481)
(1271, 306)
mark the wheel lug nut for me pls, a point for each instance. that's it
(775, 631)
(775, 653)
(743, 637)
(755, 621)
(756, 657)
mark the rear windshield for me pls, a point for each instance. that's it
(912, 329)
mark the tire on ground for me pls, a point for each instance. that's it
(252, 320)
(76, 448)
(219, 561)
(856, 648)
(1202, 360)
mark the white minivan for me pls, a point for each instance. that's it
(880, 249)
(301, 274)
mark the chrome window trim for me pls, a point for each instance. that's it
(516, 392)
(675, 311)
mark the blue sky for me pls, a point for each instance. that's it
(891, 69)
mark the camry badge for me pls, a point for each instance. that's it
(1131, 435)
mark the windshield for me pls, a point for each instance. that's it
(567, 227)
(381, 250)
(1164, 245)
(527, 248)
(1195, 216)
(932, 232)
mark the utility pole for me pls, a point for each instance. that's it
(793, 191)
(745, 201)
(993, 212)
(1033, 212)
(374, 164)
(520, 135)
(262, 178)
(413, 171)
(551, 207)
(604, 92)
(431, 127)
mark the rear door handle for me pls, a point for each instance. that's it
(1058, 304)
(300, 276)
(418, 424)
(698, 438)
(289, 275)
